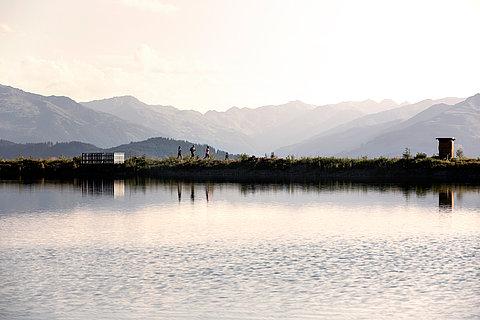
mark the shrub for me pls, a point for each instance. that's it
(459, 153)
(407, 154)
(420, 155)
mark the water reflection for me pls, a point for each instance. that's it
(102, 187)
(179, 192)
(208, 191)
(446, 200)
(332, 250)
(46, 194)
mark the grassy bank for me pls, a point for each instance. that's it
(252, 169)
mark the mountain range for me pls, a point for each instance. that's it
(242, 130)
(364, 128)
(349, 139)
(461, 120)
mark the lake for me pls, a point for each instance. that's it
(146, 249)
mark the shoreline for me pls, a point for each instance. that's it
(253, 169)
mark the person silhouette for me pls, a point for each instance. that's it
(192, 151)
(207, 152)
(179, 153)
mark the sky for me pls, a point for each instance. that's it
(216, 54)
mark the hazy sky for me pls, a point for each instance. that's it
(214, 54)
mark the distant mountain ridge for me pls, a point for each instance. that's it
(153, 147)
(461, 120)
(258, 131)
(351, 135)
(29, 117)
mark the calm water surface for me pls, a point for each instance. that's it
(168, 250)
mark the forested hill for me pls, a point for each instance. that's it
(164, 147)
(153, 147)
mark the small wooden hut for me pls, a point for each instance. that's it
(446, 148)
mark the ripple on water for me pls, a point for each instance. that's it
(334, 279)
(335, 254)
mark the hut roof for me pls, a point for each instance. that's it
(451, 138)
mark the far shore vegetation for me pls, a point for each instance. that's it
(250, 168)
